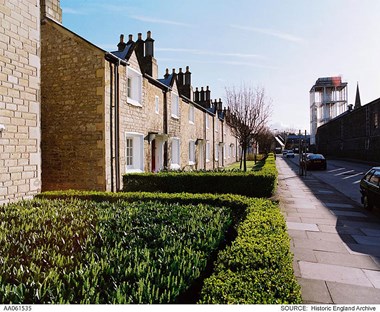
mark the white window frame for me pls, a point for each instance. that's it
(207, 121)
(157, 104)
(175, 105)
(134, 87)
(191, 114)
(191, 152)
(175, 154)
(137, 150)
(216, 151)
(216, 124)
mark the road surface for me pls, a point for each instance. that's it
(344, 176)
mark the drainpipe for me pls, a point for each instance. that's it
(213, 143)
(114, 119)
(117, 127)
(111, 127)
(205, 143)
(165, 124)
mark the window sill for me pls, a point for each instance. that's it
(134, 102)
(175, 117)
(175, 167)
(134, 171)
(191, 122)
(191, 163)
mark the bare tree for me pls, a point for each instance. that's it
(248, 113)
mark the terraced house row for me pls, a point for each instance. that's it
(81, 116)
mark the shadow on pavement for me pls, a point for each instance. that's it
(359, 229)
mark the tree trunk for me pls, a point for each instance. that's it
(241, 158)
(245, 158)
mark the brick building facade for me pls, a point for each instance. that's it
(20, 154)
(355, 134)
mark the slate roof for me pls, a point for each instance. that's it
(125, 54)
(168, 81)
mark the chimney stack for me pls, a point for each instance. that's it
(130, 39)
(187, 77)
(180, 77)
(121, 45)
(149, 44)
(196, 95)
(166, 73)
(139, 49)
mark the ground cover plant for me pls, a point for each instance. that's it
(82, 251)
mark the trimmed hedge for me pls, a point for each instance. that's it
(257, 267)
(260, 183)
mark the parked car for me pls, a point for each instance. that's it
(284, 152)
(370, 188)
(314, 161)
(290, 154)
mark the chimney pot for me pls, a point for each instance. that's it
(139, 36)
(148, 34)
(121, 38)
(166, 73)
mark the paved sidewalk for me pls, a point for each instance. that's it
(335, 242)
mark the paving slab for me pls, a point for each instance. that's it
(328, 237)
(334, 273)
(314, 291)
(366, 240)
(355, 261)
(353, 294)
(302, 226)
(338, 205)
(371, 232)
(374, 277)
(303, 254)
(316, 244)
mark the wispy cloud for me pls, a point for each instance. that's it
(270, 32)
(66, 10)
(158, 21)
(221, 62)
(202, 52)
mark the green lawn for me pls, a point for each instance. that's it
(250, 165)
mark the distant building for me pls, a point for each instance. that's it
(354, 134)
(328, 99)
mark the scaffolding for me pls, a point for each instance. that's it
(328, 99)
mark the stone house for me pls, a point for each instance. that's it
(20, 135)
(74, 116)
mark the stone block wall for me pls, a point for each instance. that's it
(355, 134)
(73, 111)
(20, 154)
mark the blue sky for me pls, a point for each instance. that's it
(283, 46)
